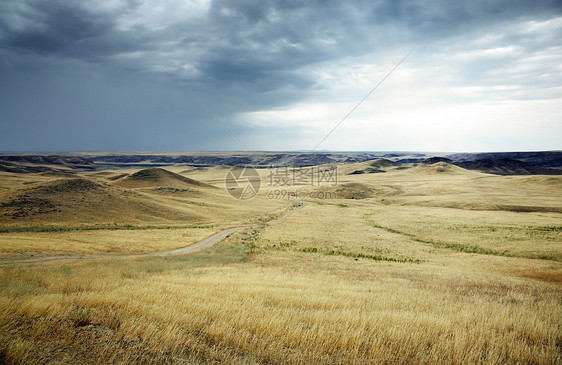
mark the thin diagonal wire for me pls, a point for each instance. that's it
(182, 84)
(191, 93)
(330, 132)
(361, 101)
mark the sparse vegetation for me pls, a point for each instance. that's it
(358, 255)
(409, 266)
(438, 244)
(113, 240)
(81, 317)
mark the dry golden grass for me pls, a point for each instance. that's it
(476, 283)
(341, 227)
(533, 235)
(287, 308)
(125, 241)
(37, 200)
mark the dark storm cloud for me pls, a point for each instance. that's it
(249, 40)
(54, 28)
(272, 34)
(238, 55)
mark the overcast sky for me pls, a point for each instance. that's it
(280, 74)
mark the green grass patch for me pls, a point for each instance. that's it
(287, 244)
(467, 248)
(546, 228)
(438, 244)
(248, 240)
(308, 249)
(81, 317)
(356, 255)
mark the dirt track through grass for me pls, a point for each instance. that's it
(196, 247)
(325, 286)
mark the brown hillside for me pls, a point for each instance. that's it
(440, 168)
(382, 162)
(83, 201)
(155, 177)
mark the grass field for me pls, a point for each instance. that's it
(436, 265)
(116, 241)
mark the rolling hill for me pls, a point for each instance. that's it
(158, 177)
(84, 201)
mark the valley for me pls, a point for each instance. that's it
(426, 262)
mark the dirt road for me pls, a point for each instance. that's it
(34, 258)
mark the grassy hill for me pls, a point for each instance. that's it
(427, 264)
(158, 177)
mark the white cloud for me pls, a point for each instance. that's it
(284, 73)
(457, 99)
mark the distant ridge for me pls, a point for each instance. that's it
(506, 166)
(43, 163)
(502, 163)
(540, 158)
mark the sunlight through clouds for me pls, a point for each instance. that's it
(284, 69)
